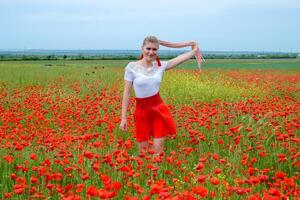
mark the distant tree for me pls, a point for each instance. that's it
(35, 58)
(51, 57)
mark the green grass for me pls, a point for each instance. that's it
(208, 86)
(285, 64)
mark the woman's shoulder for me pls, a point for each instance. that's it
(131, 65)
(164, 64)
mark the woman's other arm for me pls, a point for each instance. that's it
(125, 103)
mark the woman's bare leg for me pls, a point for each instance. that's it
(142, 146)
(158, 145)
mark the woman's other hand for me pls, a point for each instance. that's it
(123, 125)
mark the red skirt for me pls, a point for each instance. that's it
(152, 118)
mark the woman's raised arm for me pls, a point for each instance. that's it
(175, 45)
(183, 57)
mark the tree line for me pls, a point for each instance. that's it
(7, 57)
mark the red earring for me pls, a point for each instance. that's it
(141, 57)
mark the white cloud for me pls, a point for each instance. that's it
(114, 10)
(201, 5)
(54, 16)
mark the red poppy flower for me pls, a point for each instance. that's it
(214, 181)
(200, 190)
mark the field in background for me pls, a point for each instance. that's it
(287, 64)
(238, 132)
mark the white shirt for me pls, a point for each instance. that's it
(146, 80)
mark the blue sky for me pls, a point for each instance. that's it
(228, 25)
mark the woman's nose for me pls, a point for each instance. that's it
(152, 52)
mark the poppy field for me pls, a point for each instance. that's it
(238, 135)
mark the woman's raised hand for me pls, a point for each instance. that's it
(194, 45)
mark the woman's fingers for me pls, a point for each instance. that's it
(123, 126)
(194, 45)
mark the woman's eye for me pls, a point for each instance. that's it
(154, 49)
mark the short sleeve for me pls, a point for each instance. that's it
(128, 76)
(164, 65)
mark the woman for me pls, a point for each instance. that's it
(152, 117)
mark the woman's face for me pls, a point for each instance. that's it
(150, 51)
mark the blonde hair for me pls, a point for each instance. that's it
(150, 39)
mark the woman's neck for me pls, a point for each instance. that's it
(146, 63)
